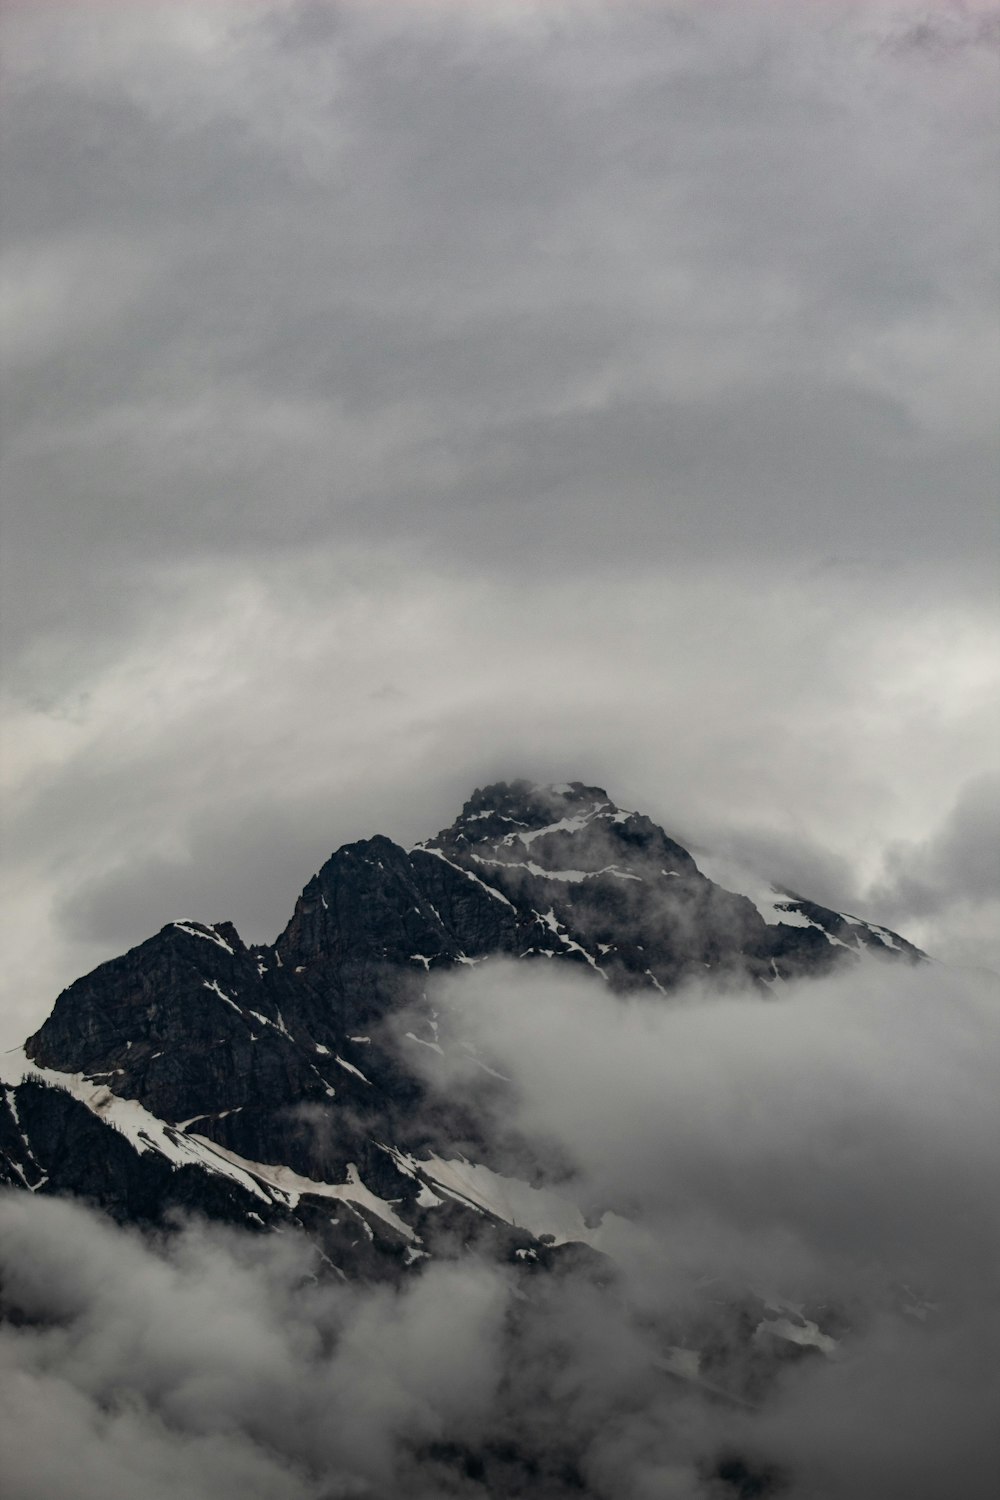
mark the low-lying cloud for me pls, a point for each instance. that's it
(834, 1112)
(817, 1162)
(216, 1365)
(829, 1144)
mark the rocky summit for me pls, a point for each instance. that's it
(275, 1085)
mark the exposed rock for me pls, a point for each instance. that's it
(279, 1059)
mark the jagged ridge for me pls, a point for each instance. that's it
(267, 1069)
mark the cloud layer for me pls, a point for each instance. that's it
(829, 1145)
(396, 397)
(818, 1156)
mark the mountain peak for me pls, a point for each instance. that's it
(503, 810)
(270, 1074)
(533, 797)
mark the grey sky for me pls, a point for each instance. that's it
(396, 397)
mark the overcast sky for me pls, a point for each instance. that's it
(402, 396)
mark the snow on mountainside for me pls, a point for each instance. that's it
(266, 1085)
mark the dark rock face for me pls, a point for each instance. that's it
(50, 1137)
(279, 1055)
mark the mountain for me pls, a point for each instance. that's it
(270, 1086)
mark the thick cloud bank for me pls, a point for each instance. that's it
(833, 1145)
(822, 1158)
(216, 1365)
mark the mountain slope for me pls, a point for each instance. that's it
(265, 1085)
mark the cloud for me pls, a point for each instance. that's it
(613, 386)
(828, 1114)
(827, 1147)
(828, 1144)
(443, 267)
(212, 765)
(914, 1408)
(938, 35)
(411, 396)
(458, 275)
(219, 1365)
(215, 764)
(958, 861)
(950, 881)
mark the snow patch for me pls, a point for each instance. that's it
(350, 1068)
(539, 1210)
(798, 1331)
(564, 825)
(211, 984)
(772, 903)
(143, 1130)
(490, 891)
(421, 1043)
(208, 933)
(887, 937)
(291, 1186)
(550, 921)
(571, 877)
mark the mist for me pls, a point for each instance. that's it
(815, 1159)
(402, 397)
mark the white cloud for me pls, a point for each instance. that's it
(829, 1147)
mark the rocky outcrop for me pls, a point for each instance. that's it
(241, 1062)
